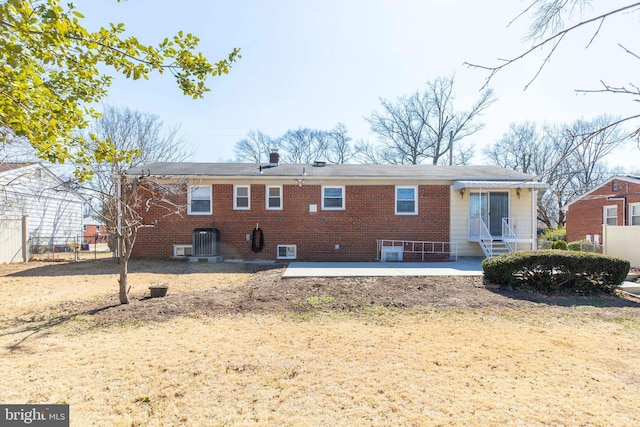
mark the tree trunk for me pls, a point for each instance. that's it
(123, 281)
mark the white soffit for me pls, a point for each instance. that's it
(457, 185)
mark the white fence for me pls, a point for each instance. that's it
(623, 242)
(13, 240)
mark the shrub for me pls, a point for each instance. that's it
(553, 234)
(581, 245)
(559, 244)
(557, 271)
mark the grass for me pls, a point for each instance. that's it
(377, 366)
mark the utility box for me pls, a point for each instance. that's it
(206, 242)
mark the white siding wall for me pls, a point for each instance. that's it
(519, 207)
(460, 224)
(53, 209)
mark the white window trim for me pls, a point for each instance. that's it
(631, 206)
(295, 252)
(176, 247)
(415, 193)
(189, 200)
(341, 187)
(604, 214)
(266, 197)
(235, 198)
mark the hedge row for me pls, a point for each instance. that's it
(557, 271)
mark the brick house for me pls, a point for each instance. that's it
(352, 212)
(616, 202)
(94, 230)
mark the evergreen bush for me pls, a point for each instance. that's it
(553, 272)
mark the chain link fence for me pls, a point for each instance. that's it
(583, 246)
(69, 248)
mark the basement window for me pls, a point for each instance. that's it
(182, 250)
(287, 252)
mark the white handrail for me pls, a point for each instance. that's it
(509, 236)
(486, 239)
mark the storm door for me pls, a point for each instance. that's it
(491, 207)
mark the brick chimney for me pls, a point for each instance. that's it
(274, 157)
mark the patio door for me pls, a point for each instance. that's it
(491, 207)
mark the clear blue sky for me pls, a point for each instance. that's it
(317, 63)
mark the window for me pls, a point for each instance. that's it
(84, 227)
(406, 201)
(287, 252)
(611, 215)
(182, 250)
(199, 200)
(241, 197)
(333, 198)
(634, 214)
(274, 197)
(97, 228)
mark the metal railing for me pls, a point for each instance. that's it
(521, 228)
(514, 231)
(509, 236)
(422, 249)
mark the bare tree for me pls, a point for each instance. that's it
(521, 148)
(255, 147)
(121, 201)
(553, 20)
(425, 126)
(303, 145)
(140, 202)
(339, 149)
(138, 139)
(571, 159)
(370, 153)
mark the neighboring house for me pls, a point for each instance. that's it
(614, 203)
(53, 210)
(350, 212)
(94, 230)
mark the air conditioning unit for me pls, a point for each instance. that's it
(206, 242)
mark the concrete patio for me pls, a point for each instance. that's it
(462, 267)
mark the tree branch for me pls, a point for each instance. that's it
(557, 36)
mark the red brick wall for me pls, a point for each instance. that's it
(92, 234)
(585, 216)
(369, 215)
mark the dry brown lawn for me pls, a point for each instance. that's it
(234, 344)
